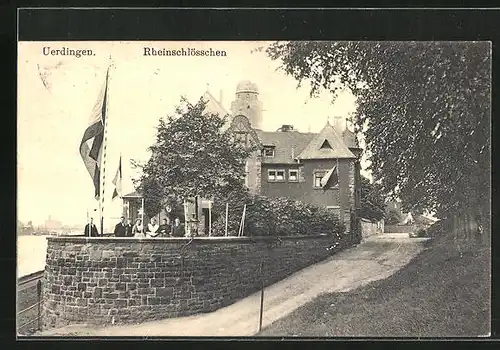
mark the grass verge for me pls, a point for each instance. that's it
(440, 293)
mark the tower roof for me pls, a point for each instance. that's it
(247, 86)
(335, 146)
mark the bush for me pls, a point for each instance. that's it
(420, 233)
(274, 217)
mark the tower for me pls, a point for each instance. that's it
(247, 103)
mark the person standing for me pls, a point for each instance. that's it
(128, 229)
(91, 229)
(138, 230)
(152, 230)
(178, 228)
(165, 229)
(121, 228)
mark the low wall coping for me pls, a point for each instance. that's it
(167, 240)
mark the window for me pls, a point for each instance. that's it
(335, 209)
(293, 175)
(268, 151)
(276, 175)
(318, 176)
(241, 137)
(326, 145)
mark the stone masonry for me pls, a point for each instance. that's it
(128, 280)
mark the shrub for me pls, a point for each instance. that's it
(274, 217)
(422, 232)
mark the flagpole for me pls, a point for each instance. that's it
(103, 160)
(142, 214)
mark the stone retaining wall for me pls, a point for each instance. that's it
(128, 280)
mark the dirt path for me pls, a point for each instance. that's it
(376, 258)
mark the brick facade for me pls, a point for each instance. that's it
(130, 280)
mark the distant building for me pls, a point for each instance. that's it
(410, 218)
(52, 225)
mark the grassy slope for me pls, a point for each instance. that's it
(439, 293)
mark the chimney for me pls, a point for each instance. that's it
(286, 128)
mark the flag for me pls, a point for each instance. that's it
(117, 181)
(331, 178)
(92, 141)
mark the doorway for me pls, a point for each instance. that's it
(206, 213)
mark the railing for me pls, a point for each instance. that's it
(33, 312)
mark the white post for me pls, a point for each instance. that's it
(128, 213)
(227, 215)
(142, 214)
(185, 218)
(243, 220)
(209, 218)
(240, 231)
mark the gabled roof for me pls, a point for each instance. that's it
(314, 151)
(241, 123)
(285, 144)
(213, 106)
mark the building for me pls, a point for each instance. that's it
(424, 219)
(132, 210)
(302, 166)
(52, 225)
(322, 168)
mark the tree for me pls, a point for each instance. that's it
(423, 107)
(372, 202)
(392, 217)
(192, 156)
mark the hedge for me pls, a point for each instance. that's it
(273, 217)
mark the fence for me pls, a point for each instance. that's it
(32, 313)
(369, 228)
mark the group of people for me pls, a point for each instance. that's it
(124, 229)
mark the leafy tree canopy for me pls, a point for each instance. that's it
(194, 155)
(372, 202)
(423, 107)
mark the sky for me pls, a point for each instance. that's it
(56, 95)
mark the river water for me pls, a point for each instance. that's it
(31, 251)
